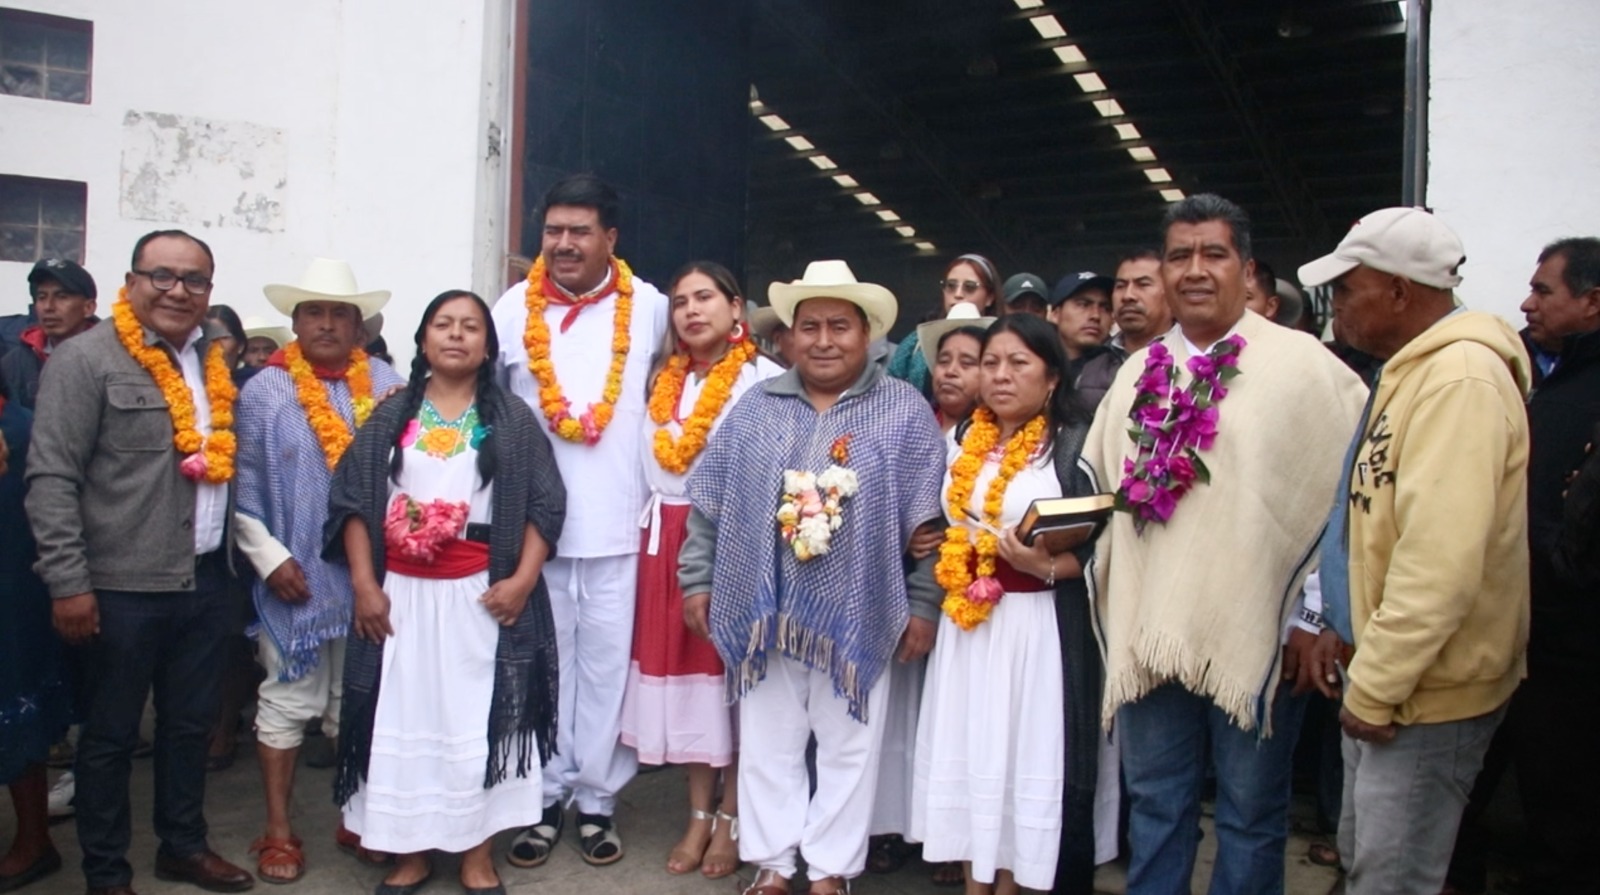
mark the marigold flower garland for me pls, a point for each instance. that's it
(969, 599)
(676, 455)
(812, 507)
(587, 428)
(1171, 426)
(330, 428)
(207, 457)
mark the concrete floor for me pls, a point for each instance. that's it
(648, 819)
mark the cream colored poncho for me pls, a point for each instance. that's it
(1203, 599)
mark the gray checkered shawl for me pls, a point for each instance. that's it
(841, 613)
(527, 489)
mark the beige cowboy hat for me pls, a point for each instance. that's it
(260, 326)
(763, 322)
(961, 314)
(326, 279)
(833, 279)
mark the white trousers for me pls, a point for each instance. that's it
(591, 599)
(283, 708)
(779, 818)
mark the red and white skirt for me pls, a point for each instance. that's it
(674, 710)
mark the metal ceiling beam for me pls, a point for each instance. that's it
(1298, 202)
(1004, 237)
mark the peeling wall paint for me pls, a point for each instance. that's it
(203, 173)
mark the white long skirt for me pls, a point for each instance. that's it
(991, 744)
(430, 744)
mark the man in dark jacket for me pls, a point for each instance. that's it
(64, 303)
(1557, 777)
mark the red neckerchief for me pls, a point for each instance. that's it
(557, 296)
(34, 338)
(278, 360)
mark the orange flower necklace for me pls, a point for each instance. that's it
(587, 428)
(969, 599)
(330, 428)
(676, 455)
(208, 457)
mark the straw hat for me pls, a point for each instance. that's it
(834, 279)
(763, 321)
(962, 313)
(260, 326)
(326, 279)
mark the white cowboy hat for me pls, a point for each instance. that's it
(373, 326)
(962, 313)
(833, 279)
(260, 326)
(326, 279)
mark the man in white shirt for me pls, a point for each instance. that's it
(582, 366)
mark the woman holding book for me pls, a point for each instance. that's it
(992, 744)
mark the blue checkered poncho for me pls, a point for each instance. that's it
(283, 481)
(843, 612)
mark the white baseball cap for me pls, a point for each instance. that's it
(1406, 242)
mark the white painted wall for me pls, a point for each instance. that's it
(1514, 115)
(295, 128)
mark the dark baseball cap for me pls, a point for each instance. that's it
(1024, 284)
(1073, 283)
(69, 274)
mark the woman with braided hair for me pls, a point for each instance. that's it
(446, 507)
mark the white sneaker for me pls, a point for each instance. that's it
(61, 795)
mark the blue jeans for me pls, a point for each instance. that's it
(175, 643)
(1167, 738)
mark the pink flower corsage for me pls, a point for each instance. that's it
(193, 466)
(417, 530)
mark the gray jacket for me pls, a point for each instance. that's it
(108, 506)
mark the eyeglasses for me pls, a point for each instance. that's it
(195, 283)
(966, 287)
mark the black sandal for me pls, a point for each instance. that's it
(599, 840)
(888, 853)
(533, 846)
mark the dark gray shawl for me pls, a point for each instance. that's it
(527, 489)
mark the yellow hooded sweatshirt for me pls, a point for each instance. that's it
(1438, 526)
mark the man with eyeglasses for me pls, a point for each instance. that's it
(64, 304)
(128, 496)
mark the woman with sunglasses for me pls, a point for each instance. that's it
(970, 278)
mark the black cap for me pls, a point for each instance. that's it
(1023, 284)
(69, 274)
(1073, 283)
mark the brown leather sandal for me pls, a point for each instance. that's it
(278, 854)
(350, 844)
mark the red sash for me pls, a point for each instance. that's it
(1010, 577)
(458, 558)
